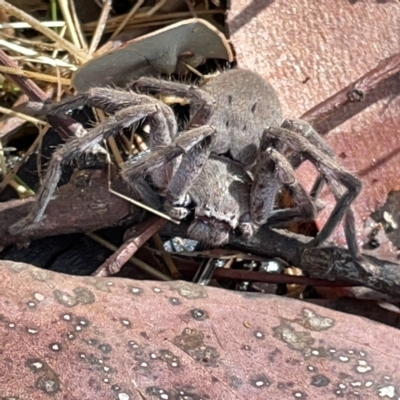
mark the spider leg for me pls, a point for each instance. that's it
(194, 147)
(189, 169)
(157, 158)
(109, 100)
(330, 172)
(305, 129)
(194, 96)
(272, 171)
(73, 148)
(113, 100)
(194, 144)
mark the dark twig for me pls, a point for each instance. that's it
(355, 92)
(141, 234)
(256, 276)
(328, 263)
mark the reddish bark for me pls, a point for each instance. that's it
(110, 338)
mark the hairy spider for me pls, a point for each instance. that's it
(238, 115)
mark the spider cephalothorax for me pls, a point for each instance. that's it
(237, 115)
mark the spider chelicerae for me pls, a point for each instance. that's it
(229, 162)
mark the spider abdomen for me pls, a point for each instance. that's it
(245, 105)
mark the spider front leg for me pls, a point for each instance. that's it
(72, 149)
(333, 175)
(273, 170)
(106, 99)
(183, 92)
(194, 144)
(305, 129)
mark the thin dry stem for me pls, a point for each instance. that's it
(34, 23)
(3, 165)
(23, 191)
(27, 154)
(78, 27)
(61, 34)
(64, 6)
(27, 118)
(124, 253)
(153, 9)
(114, 149)
(34, 75)
(101, 24)
(142, 22)
(131, 13)
(167, 257)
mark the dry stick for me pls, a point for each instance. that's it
(78, 27)
(253, 276)
(142, 233)
(27, 85)
(167, 257)
(34, 75)
(356, 91)
(101, 24)
(64, 6)
(326, 263)
(136, 7)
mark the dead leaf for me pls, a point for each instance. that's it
(111, 338)
(157, 52)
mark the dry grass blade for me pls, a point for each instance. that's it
(64, 6)
(167, 257)
(25, 25)
(139, 21)
(131, 13)
(28, 118)
(101, 271)
(100, 26)
(78, 27)
(35, 75)
(34, 23)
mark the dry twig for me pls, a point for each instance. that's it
(355, 92)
